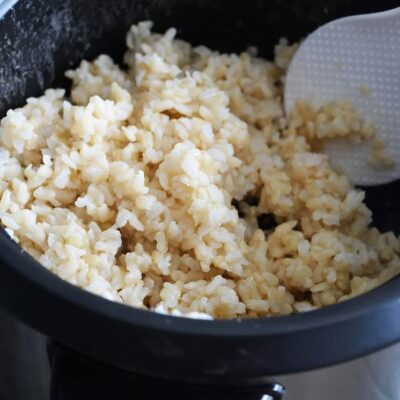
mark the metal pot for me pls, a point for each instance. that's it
(41, 39)
(25, 372)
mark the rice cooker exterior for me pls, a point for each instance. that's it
(25, 372)
(24, 362)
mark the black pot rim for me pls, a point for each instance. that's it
(363, 306)
(253, 349)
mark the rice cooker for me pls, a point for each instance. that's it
(60, 342)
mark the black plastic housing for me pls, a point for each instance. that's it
(39, 40)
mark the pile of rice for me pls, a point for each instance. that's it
(179, 185)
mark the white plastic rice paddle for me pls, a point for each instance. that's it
(357, 59)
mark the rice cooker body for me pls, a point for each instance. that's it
(41, 39)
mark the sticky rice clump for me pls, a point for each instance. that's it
(177, 184)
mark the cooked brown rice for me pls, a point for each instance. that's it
(149, 186)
